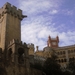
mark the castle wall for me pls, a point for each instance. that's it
(10, 21)
(13, 29)
(17, 70)
(35, 72)
(2, 31)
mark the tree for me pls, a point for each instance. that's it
(66, 73)
(71, 66)
(38, 66)
(51, 67)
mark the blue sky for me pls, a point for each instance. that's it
(46, 17)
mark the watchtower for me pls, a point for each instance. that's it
(13, 52)
(10, 24)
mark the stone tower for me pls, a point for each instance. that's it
(10, 24)
(31, 48)
(14, 57)
(53, 42)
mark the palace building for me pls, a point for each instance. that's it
(64, 54)
(15, 55)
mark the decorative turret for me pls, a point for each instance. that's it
(57, 38)
(53, 42)
(36, 48)
(31, 48)
(49, 40)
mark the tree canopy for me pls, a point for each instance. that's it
(51, 67)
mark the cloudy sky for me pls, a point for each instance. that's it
(46, 17)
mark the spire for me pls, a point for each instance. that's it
(57, 38)
(49, 37)
(48, 42)
(36, 48)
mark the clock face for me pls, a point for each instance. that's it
(54, 43)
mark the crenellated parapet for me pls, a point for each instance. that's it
(17, 42)
(30, 45)
(8, 8)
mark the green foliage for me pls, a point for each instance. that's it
(36, 66)
(71, 67)
(51, 67)
(66, 73)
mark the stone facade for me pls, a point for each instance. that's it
(10, 28)
(14, 54)
(64, 54)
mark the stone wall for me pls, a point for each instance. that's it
(35, 72)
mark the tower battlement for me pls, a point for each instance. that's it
(30, 45)
(18, 42)
(8, 8)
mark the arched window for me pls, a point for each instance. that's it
(74, 50)
(21, 56)
(0, 55)
(71, 51)
(59, 60)
(68, 51)
(65, 60)
(62, 60)
(70, 59)
(10, 54)
(63, 52)
(58, 53)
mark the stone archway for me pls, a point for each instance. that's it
(10, 54)
(21, 56)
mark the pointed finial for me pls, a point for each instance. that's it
(48, 42)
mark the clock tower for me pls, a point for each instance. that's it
(53, 42)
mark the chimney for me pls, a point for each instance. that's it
(36, 48)
(57, 39)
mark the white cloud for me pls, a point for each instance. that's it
(38, 26)
(38, 6)
(67, 38)
(38, 35)
(67, 12)
(53, 12)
